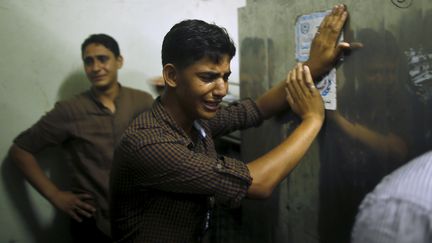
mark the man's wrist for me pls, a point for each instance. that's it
(313, 120)
(317, 71)
(52, 195)
(313, 69)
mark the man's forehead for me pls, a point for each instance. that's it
(207, 64)
(95, 49)
(95, 56)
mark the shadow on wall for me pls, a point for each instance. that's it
(53, 162)
(17, 191)
(368, 136)
(76, 82)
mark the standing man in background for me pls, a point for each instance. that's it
(167, 174)
(88, 126)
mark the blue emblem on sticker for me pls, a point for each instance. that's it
(324, 86)
(304, 28)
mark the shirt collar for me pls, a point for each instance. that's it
(93, 96)
(200, 129)
(161, 113)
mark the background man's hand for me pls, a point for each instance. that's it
(73, 204)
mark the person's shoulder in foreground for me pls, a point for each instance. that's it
(400, 207)
(145, 129)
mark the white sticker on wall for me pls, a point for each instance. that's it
(305, 29)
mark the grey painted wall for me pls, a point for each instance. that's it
(40, 63)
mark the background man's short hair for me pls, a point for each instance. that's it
(102, 39)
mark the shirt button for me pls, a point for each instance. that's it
(219, 166)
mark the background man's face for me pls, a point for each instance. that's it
(101, 65)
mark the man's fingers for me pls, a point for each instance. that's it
(293, 75)
(308, 77)
(302, 82)
(344, 45)
(84, 196)
(356, 45)
(342, 48)
(75, 216)
(291, 82)
(337, 14)
(312, 88)
(296, 84)
(85, 206)
(340, 22)
(290, 89)
(334, 22)
(289, 97)
(83, 212)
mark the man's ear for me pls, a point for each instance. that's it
(170, 75)
(119, 61)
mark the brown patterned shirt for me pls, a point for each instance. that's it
(162, 179)
(88, 131)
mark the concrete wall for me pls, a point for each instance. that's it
(309, 206)
(40, 63)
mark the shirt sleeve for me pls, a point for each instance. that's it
(170, 166)
(50, 130)
(236, 116)
(391, 221)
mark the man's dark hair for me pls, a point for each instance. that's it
(104, 40)
(192, 40)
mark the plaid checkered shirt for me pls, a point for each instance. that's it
(163, 181)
